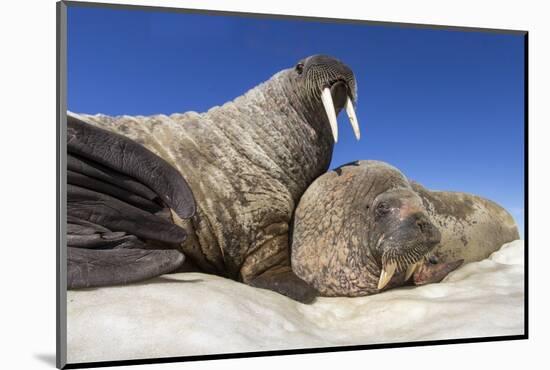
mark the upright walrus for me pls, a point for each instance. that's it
(220, 187)
(364, 227)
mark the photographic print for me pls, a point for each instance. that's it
(245, 184)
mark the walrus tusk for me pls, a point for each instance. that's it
(353, 118)
(411, 269)
(387, 273)
(326, 97)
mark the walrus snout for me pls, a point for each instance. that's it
(431, 233)
(413, 237)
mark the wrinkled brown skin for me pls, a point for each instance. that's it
(471, 227)
(336, 234)
(247, 162)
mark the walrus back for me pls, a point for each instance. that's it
(471, 227)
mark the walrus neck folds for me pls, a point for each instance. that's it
(274, 152)
(283, 133)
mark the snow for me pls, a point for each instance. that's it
(196, 314)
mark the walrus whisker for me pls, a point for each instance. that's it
(408, 262)
(380, 240)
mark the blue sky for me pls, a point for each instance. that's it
(445, 107)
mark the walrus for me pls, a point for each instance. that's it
(216, 189)
(364, 228)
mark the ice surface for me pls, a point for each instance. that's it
(195, 314)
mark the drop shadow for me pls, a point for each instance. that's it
(47, 358)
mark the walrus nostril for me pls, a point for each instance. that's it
(428, 229)
(422, 225)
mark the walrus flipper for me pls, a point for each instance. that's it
(117, 215)
(130, 159)
(120, 202)
(94, 268)
(284, 281)
(429, 273)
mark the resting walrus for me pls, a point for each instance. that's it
(364, 227)
(220, 186)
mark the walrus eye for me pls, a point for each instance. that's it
(300, 68)
(382, 209)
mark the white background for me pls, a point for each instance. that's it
(27, 178)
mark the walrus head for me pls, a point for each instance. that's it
(360, 229)
(405, 233)
(325, 84)
(334, 82)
